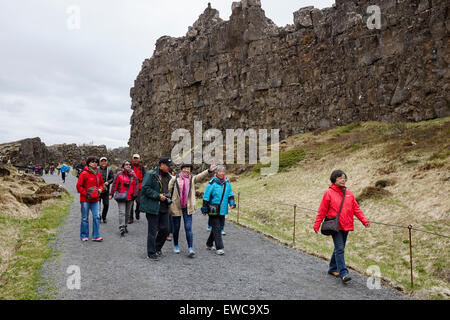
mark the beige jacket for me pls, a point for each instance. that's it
(175, 207)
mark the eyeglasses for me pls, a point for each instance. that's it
(127, 164)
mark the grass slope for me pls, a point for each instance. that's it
(400, 174)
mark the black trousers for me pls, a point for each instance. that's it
(158, 230)
(105, 200)
(216, 234)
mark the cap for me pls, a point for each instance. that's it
(185, 165)
(136, 156)
(166, 161)
(103, 158)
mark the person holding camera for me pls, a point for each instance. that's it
(216, 199)
(90, 186)
(182, 187)
(124, 189)
(155, 200)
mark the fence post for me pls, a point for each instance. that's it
(410, 256)
(293, 233)
(239, 195)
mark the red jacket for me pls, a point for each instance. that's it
(140, 172)
(118, 185)
(88, 180)
(331, 202)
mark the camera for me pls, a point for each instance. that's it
(168, 198)
(126, 184)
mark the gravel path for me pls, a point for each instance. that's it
(253, 267)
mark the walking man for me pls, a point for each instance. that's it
(108, 178)
(139, 171)
(155, 201)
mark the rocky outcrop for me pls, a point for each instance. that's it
(328, 68)
(22, 153)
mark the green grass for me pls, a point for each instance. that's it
(21, 279)
(287, 160)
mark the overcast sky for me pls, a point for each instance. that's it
(71, 85)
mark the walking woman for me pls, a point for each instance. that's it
(90, 186)
(182, 187)
(339, 198)
(125, 189)
(216, 199)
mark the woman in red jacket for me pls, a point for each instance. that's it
(90, 185)
(329, 207)
(125, 183)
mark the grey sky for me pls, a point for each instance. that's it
(72, 86)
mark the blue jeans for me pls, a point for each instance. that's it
(337, 263)
(84, 229)
(187, 228)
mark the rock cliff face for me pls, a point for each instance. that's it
(22, 152)
(33, 150)
(328, 68)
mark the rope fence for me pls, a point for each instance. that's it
(294, 207)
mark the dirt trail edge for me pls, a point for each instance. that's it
(253, 267)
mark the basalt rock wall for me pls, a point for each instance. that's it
(328, 68)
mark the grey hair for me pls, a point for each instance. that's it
(220, 167)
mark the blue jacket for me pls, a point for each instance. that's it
(213, 194)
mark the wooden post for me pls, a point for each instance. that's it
(239, 195)
(410, 256)
(293, 233)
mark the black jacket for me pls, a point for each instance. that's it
(109, 178)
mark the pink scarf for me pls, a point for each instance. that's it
(184, 194)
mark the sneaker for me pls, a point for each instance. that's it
(191, 252)
(85, 239)
(220, 252)
(99, 239)
(159, 253)
(176, 249)
(138, 216)
(336, 274)
(346, 278)
(210, 247)
(104, 220)
(208, 228)
(126, 230)
(122, 232)
(153, 258)
(223, 233)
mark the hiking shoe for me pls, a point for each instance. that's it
(223, 233)
(99, 239)
(346, 278)
(191, 252)
(85, 239)
(176, 249)
(210, 247)
(138, 216)
(159, 253)
(220, 252)
(104, 220)
(153, 257)
(336, 274)
(126, 230)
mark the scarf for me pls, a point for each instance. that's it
(95, 172)
(184, 190)
(221, 181)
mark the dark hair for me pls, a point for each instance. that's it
(91, 159)
(336, 174)
(123, 163)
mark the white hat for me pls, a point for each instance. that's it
(136, 156)
(103, 158)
